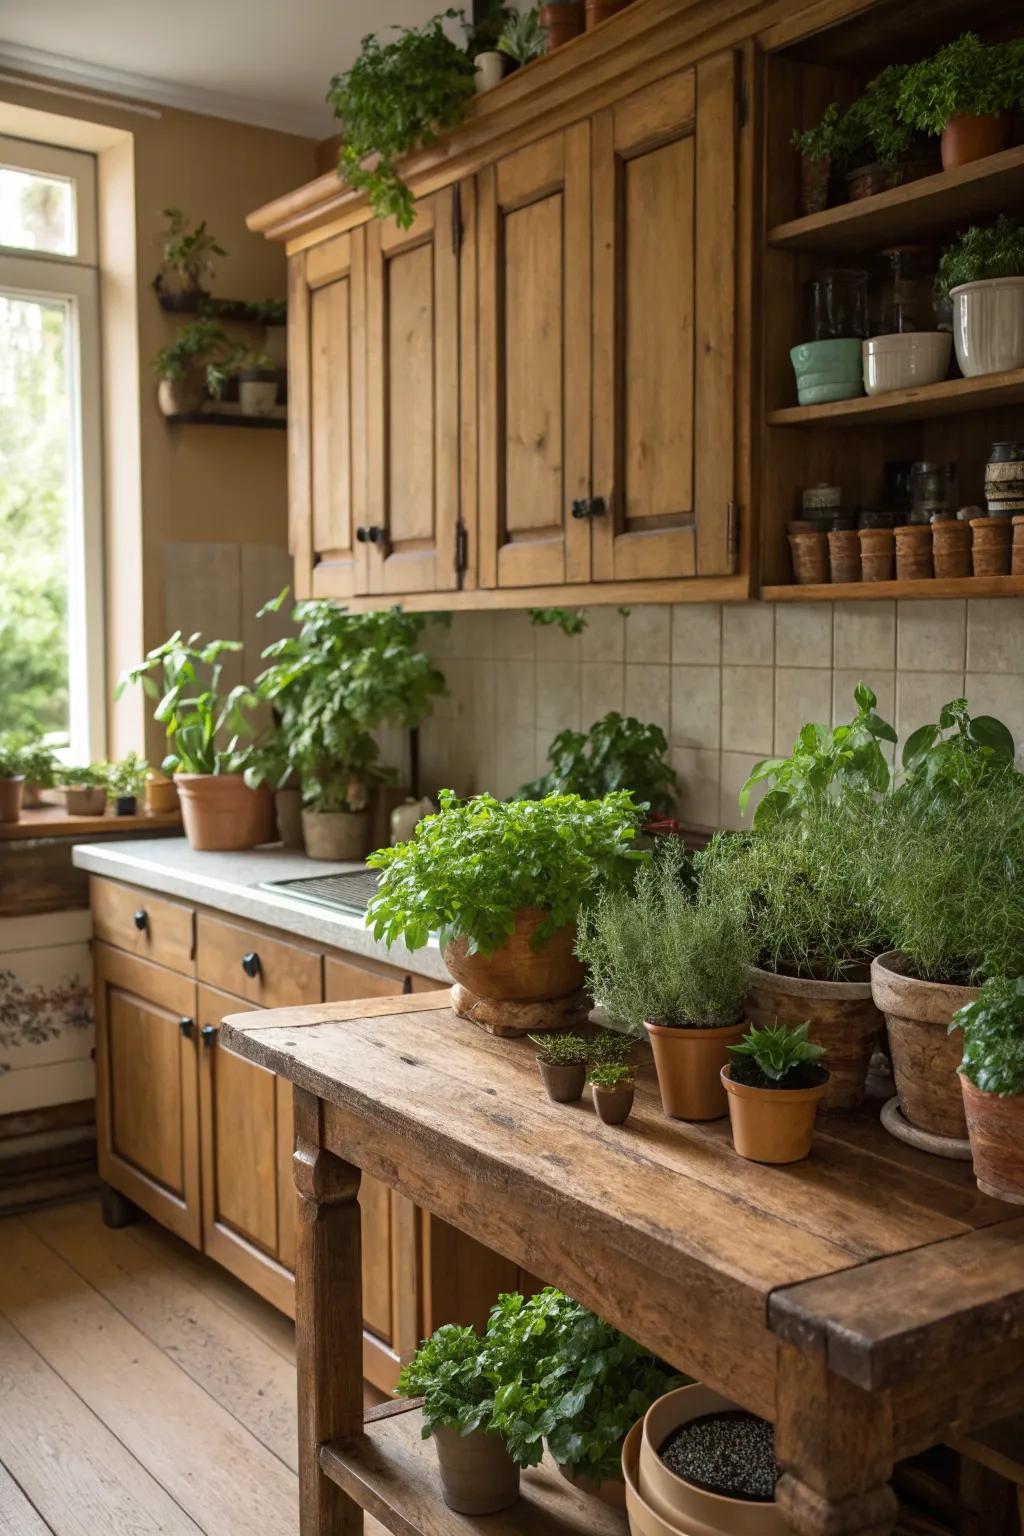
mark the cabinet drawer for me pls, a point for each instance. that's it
(346, 980)
(143, 924)
(272, 973)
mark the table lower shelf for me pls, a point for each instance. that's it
(391, 1472)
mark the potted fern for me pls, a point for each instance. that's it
(818, 147)
(775, 1082)
(982, 273)
(967, 93)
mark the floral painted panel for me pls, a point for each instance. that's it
(46, 1016)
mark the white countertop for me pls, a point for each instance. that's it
(230, 882)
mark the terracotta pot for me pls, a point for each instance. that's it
(1017, 554)
(965, 139)
(842, 1017)
(772, 1125)
(689, 1064)
(85, 800)
(611, 1490)
(613, 1104)
(161, 794)
(562, 22)
(515, 973)
(288, 812)
(914, 552)
(564, 1080)
(31, 796)
(600, 10)
(996, 1128)
(810, 558)
(343, 836)
(264, 819)
(814, 176)
(844, 554)
(991, 545)
(478, 1476)
(925, 1057)
(951, 548)
(219, 811)
(877, 553)
(11, 794)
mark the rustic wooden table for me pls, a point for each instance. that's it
(869, 1301)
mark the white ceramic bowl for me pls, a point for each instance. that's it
(900, 362)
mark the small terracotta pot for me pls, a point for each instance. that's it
(11, 794)
(925, 1057)
(814, 177)
(600, 10)
(515, 973)
(613, 1104)
(996, 1128)
(965, 139)
(772, 1125)
(991, 545)
(288, 811)
(1017, 553)
(914, 552)
(844, 554)
(219, 811)
(689, 1064)
(877, 553)
(562, 22)
(478, 1476)
(85, 800)
(810, 558)
(842, 1017)
(343, 836)
(951, 548)
(564, 1080)
(161, 794)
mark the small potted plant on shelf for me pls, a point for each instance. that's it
(126, 781)
(192, 367)
(12, 777)
(85, 789)
(482, 38)
(562, 1061)
(523, 39)
(188, 255)
(659, 961)
(257, 383)
(982, 273)
(992, 1081)
(618, 752)
(561, 21)
(880, 147)
(818, 147)
(273, 313)
(613, 1085)
(775, 1082)
(457, 1374)
(968, 93)
(39, 766)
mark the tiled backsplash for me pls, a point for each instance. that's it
(728, 684)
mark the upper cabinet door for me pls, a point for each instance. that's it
(327, 411)
(412, 327)
(664, 251)
(534, 363)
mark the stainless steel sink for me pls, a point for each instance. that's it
(347, 892)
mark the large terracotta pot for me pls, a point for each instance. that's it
(965, 139)
(343, 836)
(478, 1476)
(562, 21)
(925, 1057)
(220, 812)
(689, 1064)
(842, 1017)
(996, 1128)
(772, 1125)
(11, 792)
(600, 10)
(515, 973)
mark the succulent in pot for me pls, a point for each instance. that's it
(967, 92)
(13, 762)
(775, 1082)
(992, 1082)
(523, 38)
(562, 1062)
(613, 1084)
(982, 273)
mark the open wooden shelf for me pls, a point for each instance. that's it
(228, 419)
(54, 821)
(917, 211)
(392, 1472)
(952, 397)
(875, 591)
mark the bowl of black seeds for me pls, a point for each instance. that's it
(731, 1454)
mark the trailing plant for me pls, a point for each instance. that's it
(200, 345)
(847, 761)
(206, 730)
(618, 752)
(967, 78)
(938, 766)
(559, 1050)
(982, 251)
(127, 777)
(568, 623)
(610, 1045)
(824, 139)
(456, 1374)
(87, 776)
(993, 1026)
(523, 38)
(188, 252)
(612, 1074)
(396, 96)
(777, 1056)
(468, 870)
(652, 953)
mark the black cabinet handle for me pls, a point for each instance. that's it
(374, 534)
(589, 506)
(361, 534)
(187, 1027)
(208, 1033)
(141, 919)
(251, 963)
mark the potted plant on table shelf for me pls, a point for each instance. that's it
(982, 273)
(968, 93)
(192, 368)
(618, 752)
(562, 1062)
(819, 147)
(613, 1085)
(126, 781)
(992, 1082)
(775, 1082)
(483, 35)
(38, 767)
(257, 383)
(12, 777)
(273, 313)
(523, 38)
(187, 263)
(85, 789)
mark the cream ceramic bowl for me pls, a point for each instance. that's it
(903, 361)
(679, 1505)
(643, 1520)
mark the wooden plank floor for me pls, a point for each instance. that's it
(143, 1391)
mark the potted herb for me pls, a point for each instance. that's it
(878, 144)
(188, 263)
(12, 778)
(192, 367)
(658, 961)
(39, 766)
(273, 313)
(206, 735)
(992, 1081)
(775, 1082)
(613, 1085)
(562, 1060)
(456, 1373)
(482, 43)
(85, 788)
(818, 147)
(562, 20)
(257, 383)
(982, 273)
(398, 95)
(502, 883)
(618, 752)
(126, 781)
(523, 39)
(968, 93)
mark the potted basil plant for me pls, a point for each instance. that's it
(992, 1081)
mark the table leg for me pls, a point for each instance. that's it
(328, 1319)
(834, 1442)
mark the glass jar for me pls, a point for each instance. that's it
(906, 301)
(933, 491)
(838, 304)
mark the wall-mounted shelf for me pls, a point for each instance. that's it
(876, 591)
(228, 419)
(950, 398)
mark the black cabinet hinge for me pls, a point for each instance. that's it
(456, 219)
(732, 535)
(461, 552)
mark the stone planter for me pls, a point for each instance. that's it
(842, 1016)
(925, 1057)
(343, 836)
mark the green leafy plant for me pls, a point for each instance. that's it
(823, 139)
(610, 1046)
(456, 1374)
(205, 730)
(618, 752)
(967, 78)
(86, 776)
(189, 252)
(612, 1074)
(777, 1056)
(13, 756)
(522, 37)
(267, 311)
(255, 361)
(398, 95)
(938, 765)
(200, 345)
(993, 1026)
(469, 869)
(39, 763)
(845, 761)
(874, 126)
(127, 777)
(560, 1050)
(652, 953)
(982, 251)
(488, 26)
(569, 623)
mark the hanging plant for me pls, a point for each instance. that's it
(397, 96)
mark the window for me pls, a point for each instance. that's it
(51, 619)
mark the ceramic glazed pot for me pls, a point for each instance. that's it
(288, 811)
(988, 325)
(828, 370)
(515, 973)
(489, 70)
(843, 1019)
(562, 21)
(991, 546)
(772, 1125)
(257, 393)
(85, 800)
(343, 836)
(667, 1503)
(951, 548)
(219, 811)
(689, 1064)
(925, 1057)
(564, 1080)
(613, 1105)
(996, 1128)
(11, 794)
(478, 1476)
(905, 361)
(965, 139)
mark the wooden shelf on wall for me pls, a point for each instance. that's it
(917, 211)
(876, 591)
(953, 397)
(228, 419)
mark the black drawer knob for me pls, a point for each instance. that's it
(251, 963)
(208, 1033)
(141, 919)
(187, 1027)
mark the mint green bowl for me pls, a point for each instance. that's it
(828, 370)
